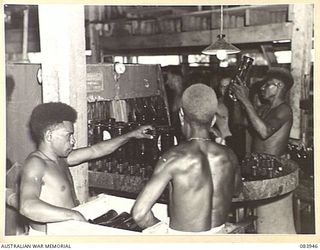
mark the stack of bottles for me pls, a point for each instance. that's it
(304, 156)
(261, 166)
(112, 219)
(138, 156)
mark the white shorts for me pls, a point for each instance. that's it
(214, 230)
(163, 228)
(33, 232)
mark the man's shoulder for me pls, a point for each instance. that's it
(218, 148)
(34, 162)
(284, 106)
(177, 152)
(283, 110)
(185, 151)
(222, 152)
(179, 156)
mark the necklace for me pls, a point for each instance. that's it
(199, 138)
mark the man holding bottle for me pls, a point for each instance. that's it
(271, 123)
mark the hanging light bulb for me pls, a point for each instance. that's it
(221, 48)
(222, 54)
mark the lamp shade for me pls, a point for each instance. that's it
(219, 46)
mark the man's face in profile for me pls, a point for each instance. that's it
(224, 83)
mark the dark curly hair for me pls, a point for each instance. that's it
(47, 115)
(282, 74)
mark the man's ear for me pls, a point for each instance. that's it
(48, 135)
(213, 121)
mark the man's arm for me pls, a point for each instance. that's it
(30, 204)
(103, 148)
(274, 121)
(12, 198)
(272, 124)
(141, 210)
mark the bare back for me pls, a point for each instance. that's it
(226, 181)
(190, 190)
(202, 177)
(202, 186)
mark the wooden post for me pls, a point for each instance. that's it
(290, 12)
(301, 45)
(94, 16)
(247, 18)
(25, 36)
(62, 38)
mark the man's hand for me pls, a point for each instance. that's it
(78, 216)
(143, 132)
(241, 91)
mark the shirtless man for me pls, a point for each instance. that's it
(221, 128)
(271, 123)
(47, 192)
(202, 175)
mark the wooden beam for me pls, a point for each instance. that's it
(62, 37)
(301, 46)
(233, 10)
(268, 52)
(93, 13)
(252, 34)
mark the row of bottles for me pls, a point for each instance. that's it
(112, 219)
(304, 156)
(98, 110)
(261, 166)
(147, 110)
(138, 156)
(144, 110)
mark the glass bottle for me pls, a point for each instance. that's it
(242, 71)
(98, 137)
(145, 115)
(121, 129)
(137, 110)
(166, 138)
(105, 217)
(118, 220)
(161, 112)
(152, 111)
(108, 132)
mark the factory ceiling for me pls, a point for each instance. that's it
(152, 29)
